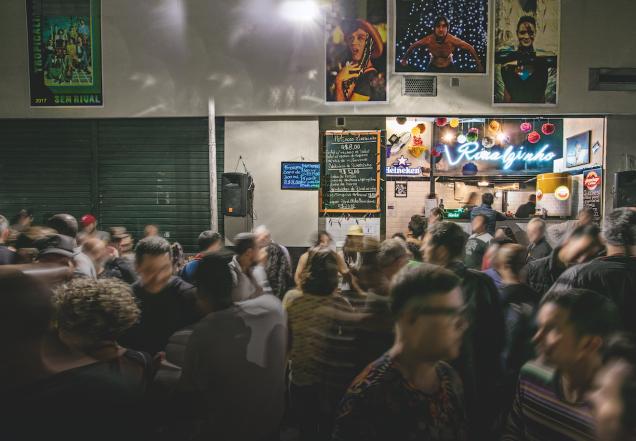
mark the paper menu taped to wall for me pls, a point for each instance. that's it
(467, 227)
(429, 204)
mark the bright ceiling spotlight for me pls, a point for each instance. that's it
(448, 137)
(501, 136)
(483, 183)
(299, 10)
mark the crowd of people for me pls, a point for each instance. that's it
(429, 335)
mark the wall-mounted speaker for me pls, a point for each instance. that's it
(236, 194)
(625, 189)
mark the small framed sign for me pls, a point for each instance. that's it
(401, 189)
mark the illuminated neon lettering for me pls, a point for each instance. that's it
(469, 151)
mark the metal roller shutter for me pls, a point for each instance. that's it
(155, 171)
(45, 165)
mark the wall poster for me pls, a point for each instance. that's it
(65, 53)
(526, 53)
(441, 36)
(356, 64)
(593, 192)
(401, 189)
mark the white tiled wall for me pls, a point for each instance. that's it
(418, 190)
(339, 230)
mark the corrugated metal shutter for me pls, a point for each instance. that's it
(155, 171)
(45, 165)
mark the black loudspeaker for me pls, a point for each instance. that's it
(625, 189)
(236, 194)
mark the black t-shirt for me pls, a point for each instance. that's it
(83, 403)
(162, 314)
(526, 210)
(531, 90)
(368, 84)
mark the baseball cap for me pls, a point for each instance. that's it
(55, 244)
(87, 219)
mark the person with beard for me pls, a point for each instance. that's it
(366, 85)
(441, 45)
(525, 83)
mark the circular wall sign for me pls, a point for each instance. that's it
(562, 193)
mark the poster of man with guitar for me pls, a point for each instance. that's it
(356, 60)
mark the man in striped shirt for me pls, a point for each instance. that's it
(549, 403)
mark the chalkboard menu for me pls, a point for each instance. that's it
(351, 173)
(300, 176)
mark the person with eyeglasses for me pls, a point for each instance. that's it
(410, 392)
(478, 363)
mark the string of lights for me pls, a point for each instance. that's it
(468, 21)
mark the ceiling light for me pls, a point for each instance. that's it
(299, 10)
(483, 183)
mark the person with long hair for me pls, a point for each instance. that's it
(308, 312)
(323, 240)
(277, 269)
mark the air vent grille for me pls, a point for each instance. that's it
(613, 79)
(419, 86)
(454, 82)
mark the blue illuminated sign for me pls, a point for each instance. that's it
(472, 151)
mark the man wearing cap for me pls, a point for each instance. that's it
(66, 225)
(89, 226)
(57, 249)
(355, 82)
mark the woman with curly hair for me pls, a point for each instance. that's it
(277, 269)
(311, 312)
(92, 315)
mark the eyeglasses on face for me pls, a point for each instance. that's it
(454, 315)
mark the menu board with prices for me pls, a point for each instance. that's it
(351, 176)
(300, 176)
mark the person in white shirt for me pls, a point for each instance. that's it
(244, 285)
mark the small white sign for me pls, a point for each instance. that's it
(429, 204)
(368, 229)
(391, 209)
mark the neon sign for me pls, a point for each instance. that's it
(471, 151)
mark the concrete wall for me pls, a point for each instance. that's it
(290, 215)
(621, 153)
(169, 57)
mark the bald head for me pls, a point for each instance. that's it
(150, 231)
(95, 249)
(263, 236)
(64, 224)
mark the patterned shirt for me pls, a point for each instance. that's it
(383, 405)
(476, 247)
(308, 341)
(541, 413)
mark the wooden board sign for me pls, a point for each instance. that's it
(351, 172)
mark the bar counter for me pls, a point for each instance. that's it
(519, 232)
